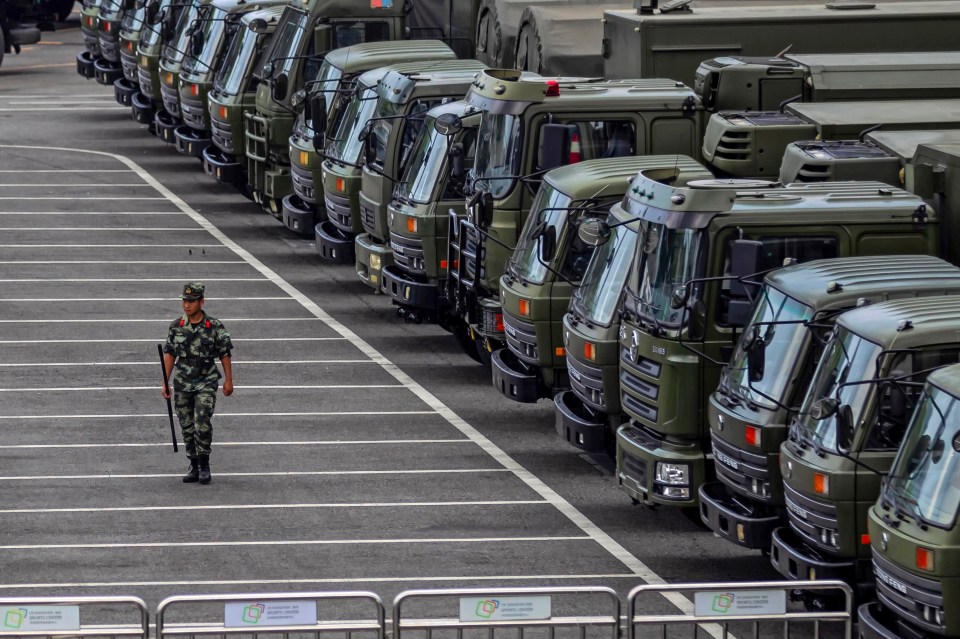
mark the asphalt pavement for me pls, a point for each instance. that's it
(357, 452)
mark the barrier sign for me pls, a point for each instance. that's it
(504, 608)
(270, 613)
(39, 618)
(740, 602)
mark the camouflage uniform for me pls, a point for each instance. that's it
(196, 347)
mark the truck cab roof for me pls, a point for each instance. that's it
(846, 282)
(360, 57)
(610, 176)
(270, 14)
(398, 85)
(907, 323)
(947, 378)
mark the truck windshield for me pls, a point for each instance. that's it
(346, 144)
(327, 82)
(174, 52)
(422, 176)
(847, 358)
(597, 297)
(498, 153)
(669, 258)
(287, 41)
(925, 478)
(548, 214)
(381, 129)
(783, 343)
(111, 10)
(214, 28)
(237, 62)
(133, 20)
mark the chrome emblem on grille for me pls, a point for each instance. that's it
(634, 350)
(884, 540)
(719, 422)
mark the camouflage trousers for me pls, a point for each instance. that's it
(195, 410)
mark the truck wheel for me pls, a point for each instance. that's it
(462, 332)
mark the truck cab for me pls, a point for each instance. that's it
(848, 430)
(159, 28)
(690, 291)
(913, 531)
(175, 54)
(527, 127)
(90, 30)
(107, 68)
(765, 381)
(131, 29)
(324, 100)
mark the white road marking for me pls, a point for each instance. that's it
(149, 339)
(50, 197)
(84, 213)
(75, 389)
(103, 100)
(60, 300)
(289, 473)
(235, 362)
(326, 442)
(103, 106)
(132, 279)
(112, 320)
(66, 170)
(293, 542)
(332, 505)
(220, 415)
(98, 229)
(83, 185)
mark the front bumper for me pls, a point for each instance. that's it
(191, 141)
(579, 425)
(737, 519)
(298, 216)
(124, 90)
(223, 167)
(513, 378)
(107, 72)
(166, 125)
(85, 62)
(639, 452)
(333, 245)
(876, 622)
(407, 292)
(368, 252)
(794, 559)
(142, 107)
(171, 99)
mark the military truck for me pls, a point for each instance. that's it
(527, 127)
(404, 99)
(14, 32)
(933, 176)
(752, 144)
(671, 39)
(131, 28)
(849, 428)
(106, 68)
(685, 299)
(174, 55)
(548, 264)
(232, 94)
(433, 184)
(304, 208)
(588, 415)
(765, 381)
(913, 526)
(880, 155)
(294, 55)
(89, 29)
(562, 39)
(208, 47)
(161, 27)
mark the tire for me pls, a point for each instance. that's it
(462, 332)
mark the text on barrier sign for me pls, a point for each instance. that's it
(504, 608)
(740, 602)
(22, 618)
(270, 613)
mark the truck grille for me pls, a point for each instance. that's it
(193, 112)
(129, 64)
(91, 42)
(171, 100)
(338, 212)
(108, 49)
(368, 217)
(521, 339)
(407, 253)
(587, 383)
(913, 597)
(303, 183)
(741, 470)
(630, 379)
(222, 135)
(814, 520)
(146, 83)
(256, 133)
(813, 173)
(490, 321)
(734, 145)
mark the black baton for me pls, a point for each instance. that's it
(163, 367)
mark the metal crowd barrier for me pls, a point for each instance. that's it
(108, 617)
(745, 605)
(524, 612)
(294, 614)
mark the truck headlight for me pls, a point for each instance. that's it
(673, 474)
(375, 262)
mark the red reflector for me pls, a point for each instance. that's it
(443, 264)
(524, 308)
(499, 318)
(456, 264)
(752, 435)
(106, 27)
(589, 351)
(865, 539)
(195, 90)
(924, 559)
(553, 88)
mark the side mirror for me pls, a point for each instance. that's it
(756, 357)
(824, 408)
(279, 91)
(322, 38)
(456, 154)
(844, 428)
(480, 208)
(679, 297)
(448, 124)
(698, 321)
(548, 244)
(299, 98)
(258, 26)
(744, 261)
(738, 312)
(167, 27)
(153, 10)
(594, 232)
(365, 132)
(556, 142)
(318, 117)
(196, 43)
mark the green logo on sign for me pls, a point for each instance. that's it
(252, 614)
(487, 607)
(722, 602)
(15, 618)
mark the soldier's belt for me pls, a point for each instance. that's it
(195, 361)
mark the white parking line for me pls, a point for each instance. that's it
(131, 279)
(79, 213)
(67, 171)
(265, 473)
(220, 415)
(330, 442)
(235, 363)
(61, 300)
(99, 229)
(49, 197)
(294, 542)
(331, 505)
(84, 185)
(150, 339)
(77, 389)
(112, 320)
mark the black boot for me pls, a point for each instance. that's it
(204, 474)
(194, 473)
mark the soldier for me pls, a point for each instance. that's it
(193, 342)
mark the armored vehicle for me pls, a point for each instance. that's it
(233, 93)
(304, 35)
(686, 297)
(176, 52)
(220, 21)
(562, 39)
(752, 144)
(587, 416)
(131, 30)
(912, 528)
(527, 127)
(849, 428)
(107, 68)
(90, 30)
(764, 383)
(304, 208)
(404, 99)
(672, 40)
(548, 264)
(160, 29)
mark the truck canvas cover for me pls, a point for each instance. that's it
(562, 39)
